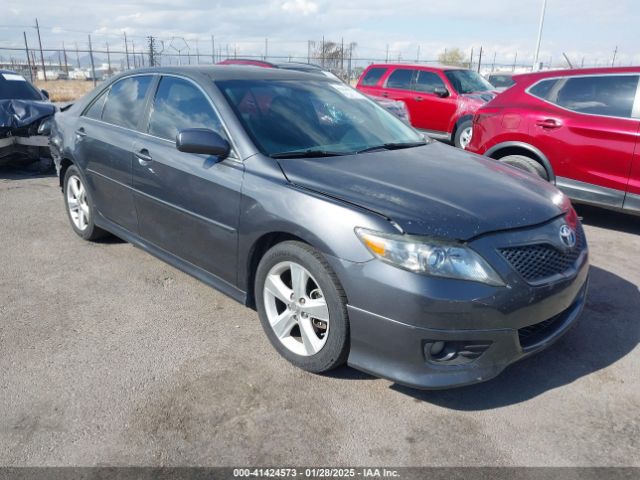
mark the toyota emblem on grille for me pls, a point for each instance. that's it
(568, 236)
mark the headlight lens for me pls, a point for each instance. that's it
(432, 257)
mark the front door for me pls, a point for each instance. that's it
(187, 204)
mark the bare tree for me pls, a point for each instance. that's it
(454, 57)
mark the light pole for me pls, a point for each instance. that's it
(535, 58)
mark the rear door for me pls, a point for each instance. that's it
(370, 82)
(187, 204)
(105, 133)
(585, 126)
(399, 86)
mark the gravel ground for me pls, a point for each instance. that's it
(108, 356)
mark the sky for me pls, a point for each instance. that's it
(583, 29)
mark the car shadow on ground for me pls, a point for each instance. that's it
(21, 171)
(610, 219)
(607, 331)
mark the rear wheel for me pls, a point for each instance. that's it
(80, 208)
(302, 307)
(527, 164)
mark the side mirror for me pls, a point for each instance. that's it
(441, 92)
(202, 140)
(45, 93)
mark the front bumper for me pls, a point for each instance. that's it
(23, 148)
(395, 314)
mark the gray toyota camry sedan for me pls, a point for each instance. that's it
(354, 238)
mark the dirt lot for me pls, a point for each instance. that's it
(109, 356)
(65, 90)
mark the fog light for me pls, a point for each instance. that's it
(436, 349)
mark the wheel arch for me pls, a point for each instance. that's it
(257, 250)
(458, 122)
(521, 148)
(65, 163)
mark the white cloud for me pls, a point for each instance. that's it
(303, 7)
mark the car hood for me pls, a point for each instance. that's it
(434, 190)
(21, 113)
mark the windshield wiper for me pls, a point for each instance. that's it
(306, 154)
(392, 146)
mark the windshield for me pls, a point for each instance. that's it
(313, 117)
(15, 87)
(467, 81)
(501, 80)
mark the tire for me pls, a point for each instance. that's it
(302, 352)
(460, 139)
(84, 228)
(527, 164)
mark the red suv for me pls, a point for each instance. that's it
(441, 100)
(577, 128)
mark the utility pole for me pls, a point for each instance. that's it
(493, 66)
(152, 48)
(266, 49)
(322, 52)
(480, 59)
(308, 51)
(515, 60)
(66, 62)
(386, 58)
(26, 47)
(197, 53)
(213, 49)
(342, 55)
(471, 59)
(126, 50)
(615, 53)
(44, 70)
(535, 58)
(108, 59)
(133, 52)
(93, 67)
(418, 55)
(77, 55)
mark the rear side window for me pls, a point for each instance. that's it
(400, 78)
(95, 110)
(543, 89)
(608, 95)
(125, 103)
(428, 81)
(372, 77)
(178, 105)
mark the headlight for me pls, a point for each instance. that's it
(45, 127)
(431, 257)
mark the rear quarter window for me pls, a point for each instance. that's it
(373, 76)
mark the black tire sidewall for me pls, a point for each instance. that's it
(91, 232)
(335, 350)
(527, 164)
(461, 128)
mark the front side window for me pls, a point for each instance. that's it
(285, 117)
(467, 81)
(125, 103)
(178, 105)
(428, 82)
(401, 79)
(373, 76)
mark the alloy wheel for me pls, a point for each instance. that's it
(465, 137)
(77, 203)
(296, 308)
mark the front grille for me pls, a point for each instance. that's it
(541, 261)
(534, 334)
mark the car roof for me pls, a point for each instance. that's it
(533, 76)
(9, 71)
(435, 66)
(228, 72)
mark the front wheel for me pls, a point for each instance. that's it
(463, 136)
(302, 307)
(527, 164)
(80, 209)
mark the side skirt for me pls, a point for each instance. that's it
(188, 268)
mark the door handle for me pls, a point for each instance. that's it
(143, 156)
(549, 123)
(418, 99)
(81, 133)
(385, 94)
